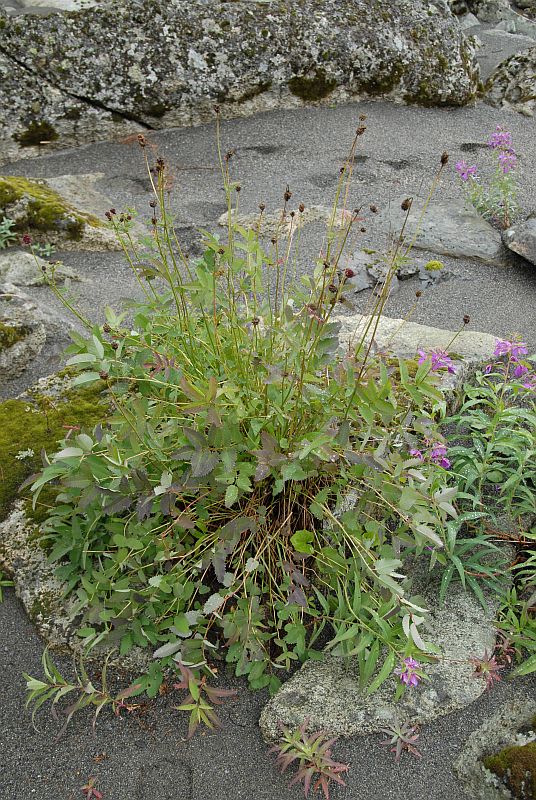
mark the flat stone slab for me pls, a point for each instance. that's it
(326, 694)
(522, 239)
(451, 229)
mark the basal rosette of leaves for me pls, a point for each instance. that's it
(204, 519)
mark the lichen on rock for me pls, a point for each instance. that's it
(162, 63)
(11, 334)
(513, 83)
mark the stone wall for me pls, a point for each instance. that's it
(117, 68)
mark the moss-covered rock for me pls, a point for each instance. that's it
(37, 208)
(11, 334)
(36, 422)
(312, 87)
(516, 767)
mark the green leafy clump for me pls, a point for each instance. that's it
(210, 518)
(494, 437)
(7, 235)
(47, 211)
(493, 456)
(258, 494)
(11, 334)
(516, 766)
(28, 426)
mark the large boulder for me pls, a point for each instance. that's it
(72, 77)
(513, 84)
(521, 238)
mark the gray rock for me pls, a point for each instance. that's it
(513, 83)
(518, 24)
(73, 78)
(521, 239)
(373, 267)
(468, 21)
(327, 695)
(470, 349)
(14, 359)
(451, 229)
(24, 269)
(48, 331)
(498, 732)
(497, 47)
(490, 10)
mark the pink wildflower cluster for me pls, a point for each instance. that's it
(440, 359)
(514, 351)
(465, 171)
(502, 140)
(409, 672)
(437, 454)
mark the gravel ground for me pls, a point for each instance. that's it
(144, 755)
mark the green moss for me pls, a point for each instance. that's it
(254, 91)
(23, 428)
(42, 607)
(312, 88)
(516, 766)
(73, 114)
(434, 266)
(10, 335)
(157, 110)
(47, 211)
(383, 84)
(35, 133)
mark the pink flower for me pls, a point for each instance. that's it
(416, 454)
(520, 370)
(438, 455)
(513, 349)
(500, 139)
(440, 360)
(407, 672)
(465, 171)
(507, 160)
